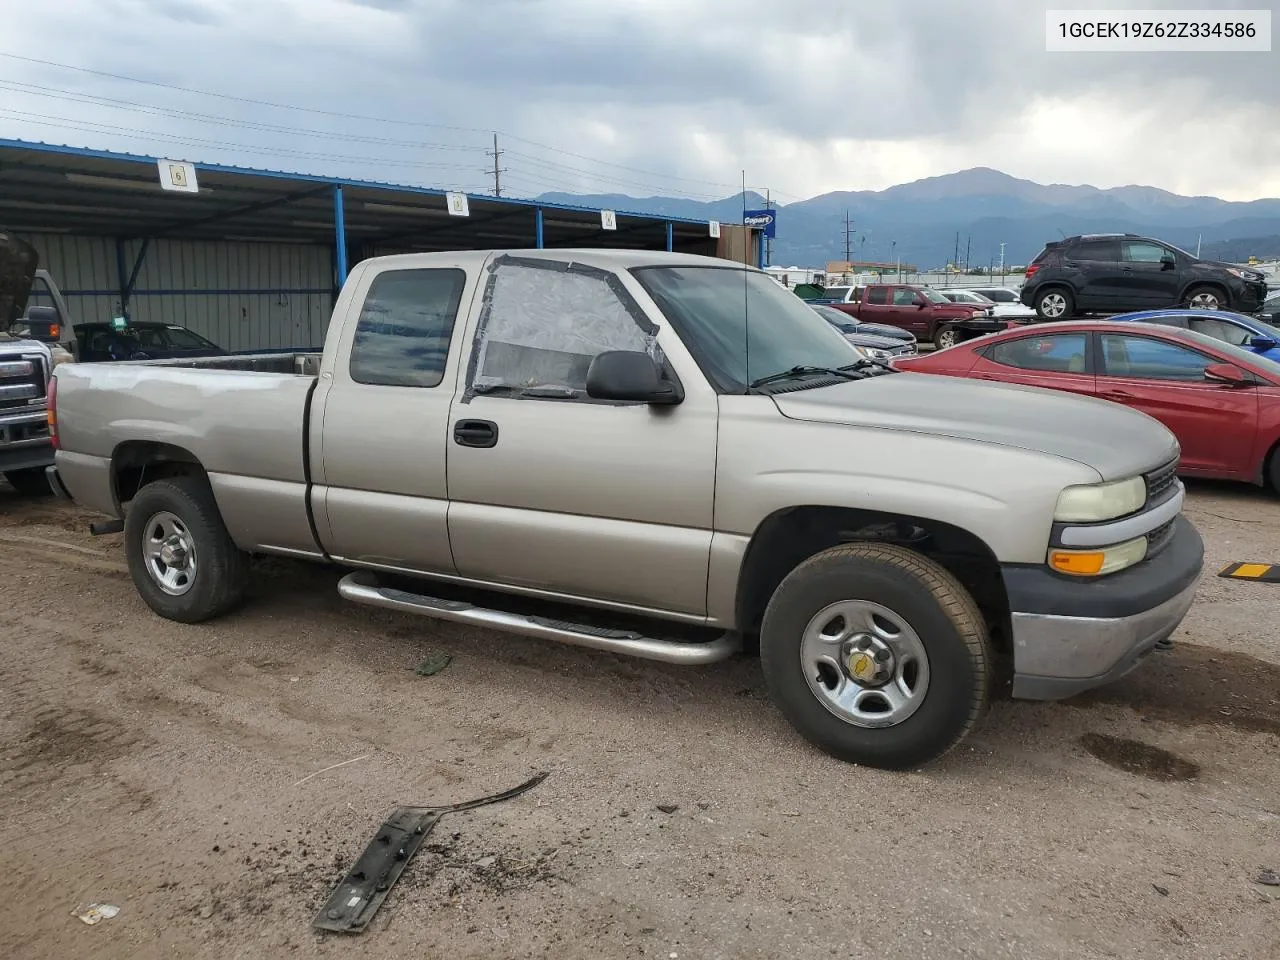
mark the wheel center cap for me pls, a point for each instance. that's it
(174, 553)
(868, 660)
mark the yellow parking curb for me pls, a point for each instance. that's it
(1261, 572)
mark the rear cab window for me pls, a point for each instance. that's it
(406, 324)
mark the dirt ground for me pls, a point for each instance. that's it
(180, 773)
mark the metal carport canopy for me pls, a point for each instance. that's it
(50, 188)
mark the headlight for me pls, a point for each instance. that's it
(1244, 274)
(1100, 560)
(1092, 502)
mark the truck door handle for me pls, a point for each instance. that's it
(475, 433)
(1115, 395)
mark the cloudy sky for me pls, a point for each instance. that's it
(639, 97)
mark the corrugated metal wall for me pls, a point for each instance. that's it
(242, 296)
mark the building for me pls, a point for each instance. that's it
(254, 258)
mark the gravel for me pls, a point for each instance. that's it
(180, 773)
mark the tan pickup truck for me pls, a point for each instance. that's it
(660, 455)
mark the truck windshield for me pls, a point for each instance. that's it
(741, 326)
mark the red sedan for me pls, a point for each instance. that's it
(1221, 401)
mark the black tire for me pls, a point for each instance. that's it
(1048, 300)
(932, 603)
(222, 569)
(946, 336)
(1218, 301)
(29, 483)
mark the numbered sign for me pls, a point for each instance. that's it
(608, 220)
(458, 205)
(178, 175)
(713, 228)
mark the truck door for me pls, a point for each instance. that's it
(556, 492)
(911, 311)
(380, 419)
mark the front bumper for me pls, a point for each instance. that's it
(1072, 635)
(24, 440)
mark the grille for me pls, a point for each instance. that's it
(1158, 538)
(1160, 481)
(22, 381)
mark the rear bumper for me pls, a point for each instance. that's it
(1072, 635)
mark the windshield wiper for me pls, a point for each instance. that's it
(847, 373)
(866, 362)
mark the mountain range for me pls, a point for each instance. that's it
(965, 216)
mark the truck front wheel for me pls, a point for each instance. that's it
(876, 655)
(181, 558)
(947, 336)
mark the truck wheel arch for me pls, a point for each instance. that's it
(137, 462)
(788, 537)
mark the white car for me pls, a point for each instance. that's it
(998, 307)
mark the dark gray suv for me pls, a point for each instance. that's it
(1123, 271)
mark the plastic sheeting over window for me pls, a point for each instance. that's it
(545, 324)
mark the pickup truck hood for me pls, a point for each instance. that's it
(1114, 440)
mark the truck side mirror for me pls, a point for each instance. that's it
(630, 376)
(41, 323)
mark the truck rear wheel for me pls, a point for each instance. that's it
(29, 483)
(877, 655)
(181, 558)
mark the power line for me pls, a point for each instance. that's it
(257, 126)
(72, 96)
(352, 116)
(89, 126)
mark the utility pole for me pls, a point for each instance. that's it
(955, 260)
(848, 249)
(768, 241)
(968, 244)
(1002, 243)
(497, 172)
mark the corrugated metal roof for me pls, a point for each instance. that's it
(65, 189)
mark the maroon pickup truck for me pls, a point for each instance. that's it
(920, 310)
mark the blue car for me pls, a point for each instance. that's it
(1237, 329)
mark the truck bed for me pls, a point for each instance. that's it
(306, 363)
(243, 418)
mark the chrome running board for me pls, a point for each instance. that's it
(365, 588)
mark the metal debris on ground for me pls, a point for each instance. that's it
(1270, 878)
(668, 807)
(98, 912)
(433, 665)
(361, 892)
